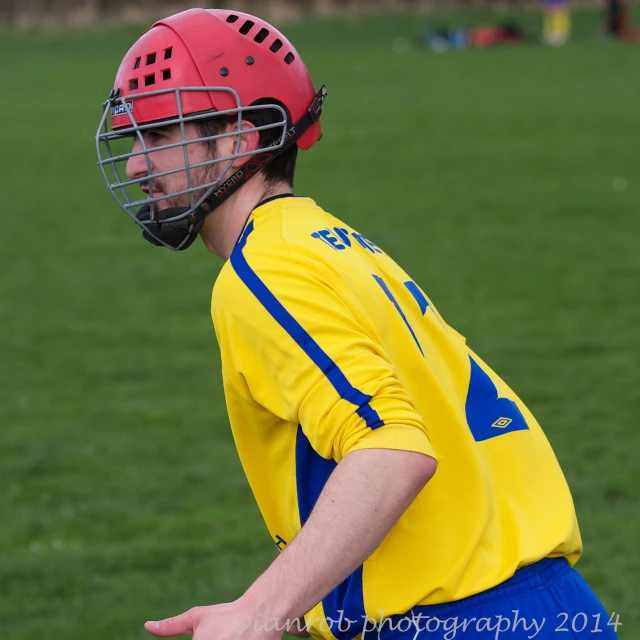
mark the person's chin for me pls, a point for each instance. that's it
(164, 205)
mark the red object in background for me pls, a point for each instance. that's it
(485, 36)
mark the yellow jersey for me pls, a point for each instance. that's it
(328, 347)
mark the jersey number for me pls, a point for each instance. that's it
(487, 414)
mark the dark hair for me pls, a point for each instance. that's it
(281, 168)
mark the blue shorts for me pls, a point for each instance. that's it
(547, 600)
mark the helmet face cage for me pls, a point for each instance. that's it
(112, 158)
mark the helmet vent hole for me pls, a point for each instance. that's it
(246, 27)
(289, 58)
(167, 53)
(137, 64)
(149, 80)
(133, 84)
(151, 58)
(166, 74)
(262, 35)
(276, 46)
(232, 19)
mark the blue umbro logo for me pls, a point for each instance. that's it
(121, 109)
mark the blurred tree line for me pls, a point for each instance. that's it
(75, 12)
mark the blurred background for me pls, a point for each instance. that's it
(492, 148)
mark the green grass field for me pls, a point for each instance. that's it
(504, 181)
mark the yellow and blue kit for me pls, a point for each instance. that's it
(329, 347)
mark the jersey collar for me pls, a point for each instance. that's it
(260, 204)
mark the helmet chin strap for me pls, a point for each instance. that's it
(179, 235)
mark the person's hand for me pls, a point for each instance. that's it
(228, 621)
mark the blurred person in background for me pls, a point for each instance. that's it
(409, 490)
(617, 24)
(557, 22)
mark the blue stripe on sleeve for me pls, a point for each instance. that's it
(330, 369)
(312, 473)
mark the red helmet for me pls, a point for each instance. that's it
(191, 66)
(209, 48)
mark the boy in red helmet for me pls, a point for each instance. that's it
(345, 388)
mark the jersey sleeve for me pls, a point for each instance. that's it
(292, 345)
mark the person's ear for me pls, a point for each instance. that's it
(249, 141)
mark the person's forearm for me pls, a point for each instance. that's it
(364, 497)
